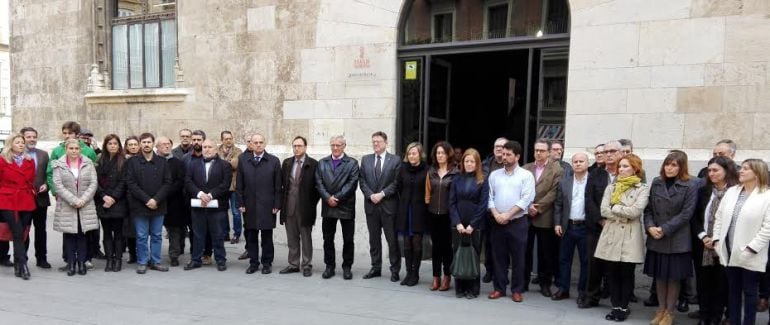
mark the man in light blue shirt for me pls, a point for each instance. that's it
(511, 191)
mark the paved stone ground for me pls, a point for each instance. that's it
(206, 296)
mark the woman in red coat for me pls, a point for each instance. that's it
(17, 198)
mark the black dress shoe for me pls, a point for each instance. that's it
(252, 269)
(306, 272)
(267, 269)
(221, 267)
(289, 269)
(347, 274)
(394, 277)
(82, 269)
(373, 273)
(682, 306)
(587, 303)
(559, 295)
(43, 264)
(191, 266)
(70, 269)
(487, 277)
(328, 273)
(546, 291)
(581, 299)
(174, 262)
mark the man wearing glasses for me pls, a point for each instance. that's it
(599, 155)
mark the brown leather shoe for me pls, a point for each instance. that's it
(435, 284)
(559, 295)
(244, 256)
(446, 282)
(495, 294)
(516, 297)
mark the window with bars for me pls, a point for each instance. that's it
(497, 21)
(144, 44)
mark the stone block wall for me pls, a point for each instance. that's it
(670, 74)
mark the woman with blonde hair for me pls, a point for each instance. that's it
(76, 182)
(17, 198)
(468, 200)
(412, 211)
(621, 243)
(741, 235)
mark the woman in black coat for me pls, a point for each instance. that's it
(710, 276)
(673, 196)
(468, 200)
(110, 200)
(412, 211)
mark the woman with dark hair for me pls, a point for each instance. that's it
(710, 276)
(17, 198)
(111, 206)
(130, 149)
(468, 200)
(741, 235)
(673, 196)
(437, 185)
(410, 220)
(621, 243)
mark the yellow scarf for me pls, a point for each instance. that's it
(621, 186)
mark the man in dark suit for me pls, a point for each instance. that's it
(208, 180)
(300, 199)
(259, 197)
(336, 180)
(547, 173)
(569, 216)
(43, 201)
(379, 185)
(598, 181)
(177, 219)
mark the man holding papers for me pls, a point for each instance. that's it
(208, 183)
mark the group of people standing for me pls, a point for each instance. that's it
(715, 226)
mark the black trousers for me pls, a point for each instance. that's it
(92, 241)
(621, 289)
(41, 235)
(547, 255)
(489, 258)
(742, 295)
(176, 237)
(712, 291)
(596, 269)
(381, 223)
(17, 231)
(113, 237)
(207, 225)
(467, 286)
(252, 246)
(329, 230)
(76, 245)
(441, 238)
(509, 243)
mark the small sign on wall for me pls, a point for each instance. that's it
(410, 70)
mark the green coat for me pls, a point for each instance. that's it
(59, 152)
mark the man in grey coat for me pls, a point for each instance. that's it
(336, 179)
(379, 185)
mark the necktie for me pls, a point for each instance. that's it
(257, 158)
(378, 168)
(297, 170)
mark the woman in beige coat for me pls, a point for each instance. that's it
(621, 243)
(75, 179)
(741, 235)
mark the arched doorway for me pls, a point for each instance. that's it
(474, 70)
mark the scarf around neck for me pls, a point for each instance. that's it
(622, 185)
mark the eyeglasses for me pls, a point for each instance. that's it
(611, 151)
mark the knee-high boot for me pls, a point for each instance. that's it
(108, 253)
(117, 260)
(408, 257)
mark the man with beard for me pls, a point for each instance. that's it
(491, 164)
(208, 180)
(177, 220)
(185, 144)
(197, 138)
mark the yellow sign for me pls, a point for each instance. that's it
(410, 70)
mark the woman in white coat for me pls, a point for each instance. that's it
(741, 235)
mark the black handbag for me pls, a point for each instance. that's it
(465, 265)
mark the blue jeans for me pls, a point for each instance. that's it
(148, 228)
(237, 222)
(575, 236)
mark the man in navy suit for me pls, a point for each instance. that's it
(379, 185)
(208, 180)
